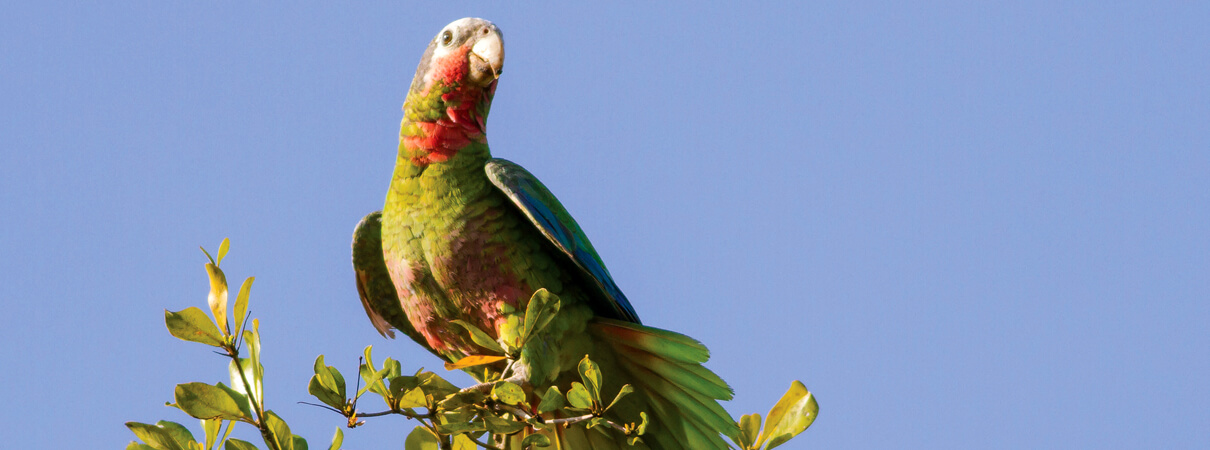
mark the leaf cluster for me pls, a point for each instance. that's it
(504, 412)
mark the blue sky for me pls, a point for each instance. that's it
(961, 226)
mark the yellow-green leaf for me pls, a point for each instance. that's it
(551, 400)
(421, 439)
(749, 430)
(508, 393)
(579, 397)
(241, 302)
(591, 374)
(155, 436)
(792, 414)
(480, 337)
(280, 430)
(536, 440)
(203, 401)
(191, 324)
(222, 251)
(472, 361)
(218, 297)
(337, 440)
(541, 309)
(236, 444)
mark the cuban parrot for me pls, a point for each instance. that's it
(464, 236)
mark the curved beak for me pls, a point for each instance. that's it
(487, 55)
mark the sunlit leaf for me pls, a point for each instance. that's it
(191, 324)
(222, 251)
(337, 440)
(237, 384)
(472, 361)
(501, 425)
(480, 337)
(421, 439)
(551, 400)
(462, 398)
(218, 297)
(536, 440)
(236, 444)
(542, 308)
(203, 401)
(624, 391)
(211, 258)
(134, 445)
(280, 430)
(241, 302)
(299, 442)
(579, 397)
(792, 414)
(461, 427)
(749, 430)
(328, 385)
(155, 436)
(591, 374)
(413, 398)
(211, 427)
(463, 442)
(508, 393)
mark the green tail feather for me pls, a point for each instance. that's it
(680, 395)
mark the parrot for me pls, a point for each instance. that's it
(467, 237)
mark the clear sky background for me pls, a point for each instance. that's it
(961, 226)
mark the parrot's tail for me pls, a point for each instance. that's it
(679, 395)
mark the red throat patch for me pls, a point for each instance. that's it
(462, 123)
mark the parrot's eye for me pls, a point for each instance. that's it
(447, 37)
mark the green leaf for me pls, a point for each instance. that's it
(591, 374)
(472, 361)
(218, 297)
(328, 385)
(203, 401)
(134, 445)
(460, 399)
(435, 385)
(299, 442)
(461, 427)
(749, 431)
(222, 251)
(413, 398)
(280, 430)
(792, 414)
(551, 400)
(241, 302)
(211, 258)
(238, 387)
(155, 436)
(252, 340)
(508, 393)
(464, 442)
(421, 439)
(236, 444)
(212, 427)
(579, 397)
(624, 391)
(536, 440)
(501, 425)
(481, 338)
(542, 308)
(191, 324)
(179, 433)
(337, 440)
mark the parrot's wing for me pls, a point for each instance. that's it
(374, 285)
(549, 216)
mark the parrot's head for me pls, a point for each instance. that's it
(447, 105)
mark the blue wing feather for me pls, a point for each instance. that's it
(549, 216)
